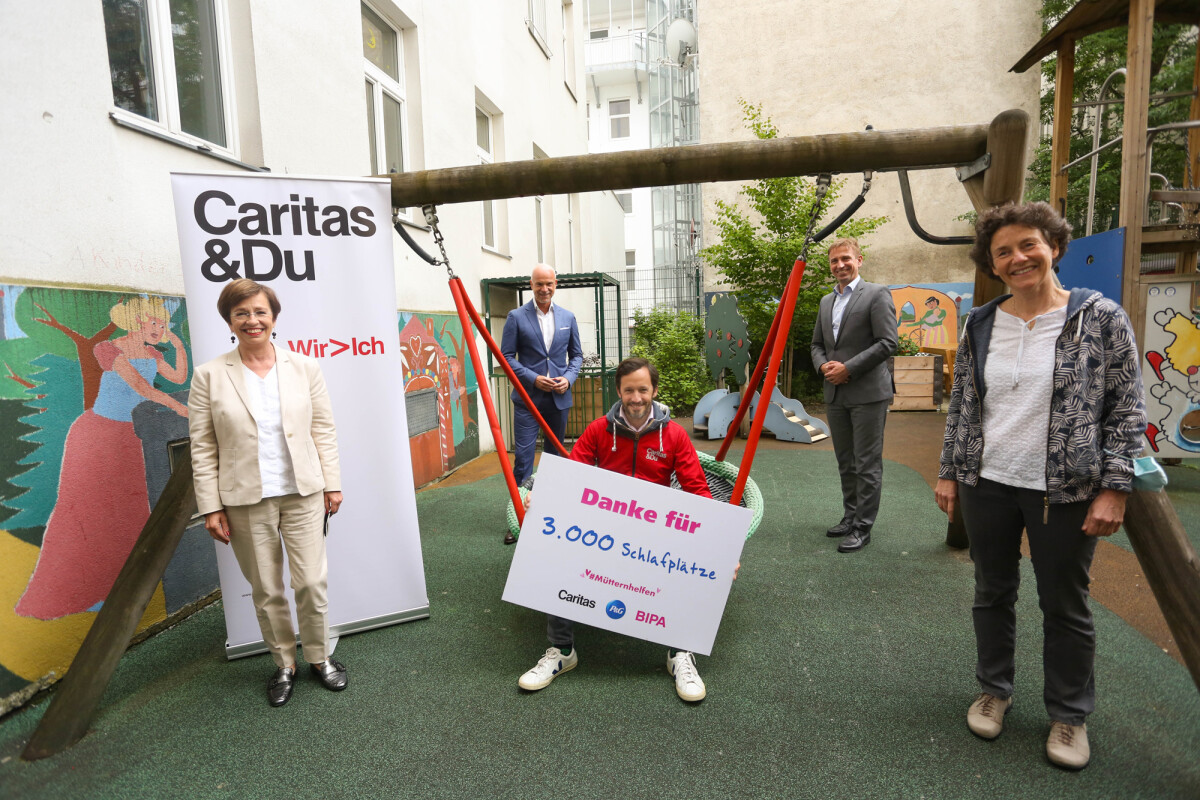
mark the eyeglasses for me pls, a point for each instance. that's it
(242, 316)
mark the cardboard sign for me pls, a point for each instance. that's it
(627, 555)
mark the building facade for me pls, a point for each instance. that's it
(836, 67)
(137, 89)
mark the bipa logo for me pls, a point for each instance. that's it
(318, 349)
(615, 609)
(650, 619)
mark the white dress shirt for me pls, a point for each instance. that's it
(546, 322)
(840, 300)
(274, 462)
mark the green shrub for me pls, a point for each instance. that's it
(674, 343)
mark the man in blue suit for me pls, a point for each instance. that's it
(541, 344)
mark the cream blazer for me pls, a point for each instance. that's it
(225, 434)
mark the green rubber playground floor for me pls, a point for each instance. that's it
(833, 676)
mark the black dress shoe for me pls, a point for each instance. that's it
(332, 674)
(856, 539)
(279, 688)
(841, 529)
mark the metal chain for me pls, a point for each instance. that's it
(430, 212)
(823, 182)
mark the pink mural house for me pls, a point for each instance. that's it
(427, 401)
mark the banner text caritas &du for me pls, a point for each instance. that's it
(217, 213)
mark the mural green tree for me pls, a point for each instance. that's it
(13, 450)
(758, 246)
(54, 405)
(1096, 57)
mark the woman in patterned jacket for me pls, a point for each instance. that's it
(1046, 414)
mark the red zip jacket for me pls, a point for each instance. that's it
(652, 455)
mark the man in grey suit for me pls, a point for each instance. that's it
(854, 336)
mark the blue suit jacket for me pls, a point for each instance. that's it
(525, 350)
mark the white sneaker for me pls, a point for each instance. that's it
(688, 685)
(1067, 745)
(985, 717)
(548, 668)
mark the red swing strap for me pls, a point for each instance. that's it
(776, 344)
(469, 318)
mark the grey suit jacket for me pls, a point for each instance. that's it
(866, 339)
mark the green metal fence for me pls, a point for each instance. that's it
(593, 394)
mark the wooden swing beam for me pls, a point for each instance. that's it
(839, 153)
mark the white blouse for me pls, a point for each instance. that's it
(1019, 374)
(274, 461)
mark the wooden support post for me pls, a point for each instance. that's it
(1134, 167)
(1002, 182)
(1172, 569)
(666, 166)
(1186, 262)
(1060, 147)
(74, 704)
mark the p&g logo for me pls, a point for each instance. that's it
(615, 609)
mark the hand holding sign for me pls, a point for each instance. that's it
(627, 555)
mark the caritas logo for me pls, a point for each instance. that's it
(319, 349)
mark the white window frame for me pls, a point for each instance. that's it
(627, 116)
(537, 22)
(162, 54)
(383, 84)
(487, 156)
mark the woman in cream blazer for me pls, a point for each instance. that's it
(264, 453)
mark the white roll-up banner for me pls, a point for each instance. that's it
(325, 247)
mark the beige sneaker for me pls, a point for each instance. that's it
(985, 717)
(1067, 746)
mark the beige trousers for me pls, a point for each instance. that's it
(259, 534)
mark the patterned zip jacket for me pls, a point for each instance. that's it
(1097, 408)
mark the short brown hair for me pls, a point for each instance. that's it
(632, 365)
(846, 241)
(1055, 230)
(243, 289)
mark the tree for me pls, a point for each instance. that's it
(1096, 57)
(758, 247)
(674, 343)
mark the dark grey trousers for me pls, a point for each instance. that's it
(1061, 554)
(857, 432)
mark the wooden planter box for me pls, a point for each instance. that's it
(918, 381)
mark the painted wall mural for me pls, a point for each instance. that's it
(1171, 372)
(933, 312)
(440, 394)
(93, 396)
(92, 393)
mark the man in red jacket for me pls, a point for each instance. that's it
(637, 438)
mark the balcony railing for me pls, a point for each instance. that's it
(615, 50)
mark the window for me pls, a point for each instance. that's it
(630, 258)
(568, 44)
(618, 119)
(386, 122)
(165, 61)
(536, 23)
(599, 33)
(626, 201)
(484, 149)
